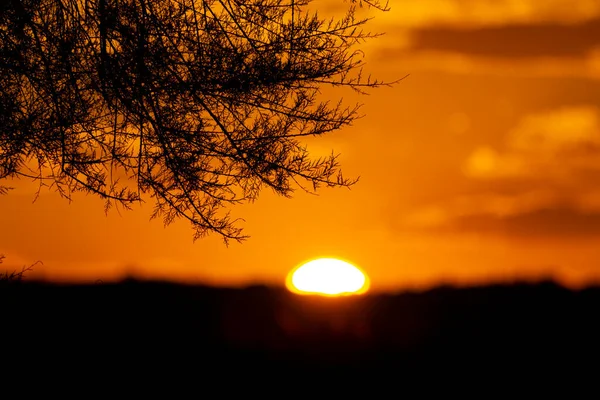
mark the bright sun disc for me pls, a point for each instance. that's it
(327, 276)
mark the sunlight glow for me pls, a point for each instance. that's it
(327, 276)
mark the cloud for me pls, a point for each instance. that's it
(587, 67)
(475, 12)
(493, 12)
(511, 40)
(563, 221)
(539, 49)
(535, 213)
(556, 145)
(523, 38)
(543, 181)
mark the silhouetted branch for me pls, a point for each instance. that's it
(15, 276)
(199, 104)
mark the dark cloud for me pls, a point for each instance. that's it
(562, 221)
(511, 41)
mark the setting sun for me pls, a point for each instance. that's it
(327, 276)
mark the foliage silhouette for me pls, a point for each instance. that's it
(198, 104)
(15, 276)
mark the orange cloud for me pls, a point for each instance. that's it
(489, 12)
(553, 145)
(511, 40)
(545, 49)
(543, 181)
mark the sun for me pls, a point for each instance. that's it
(328, 277)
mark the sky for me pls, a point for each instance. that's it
(481, 166)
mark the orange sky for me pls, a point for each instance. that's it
(482, 165)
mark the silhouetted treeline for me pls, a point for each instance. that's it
(149, 329)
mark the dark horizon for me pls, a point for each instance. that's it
(166, 331)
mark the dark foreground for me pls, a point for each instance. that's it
(149, 334)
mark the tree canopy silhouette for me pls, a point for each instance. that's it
(197, 104)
